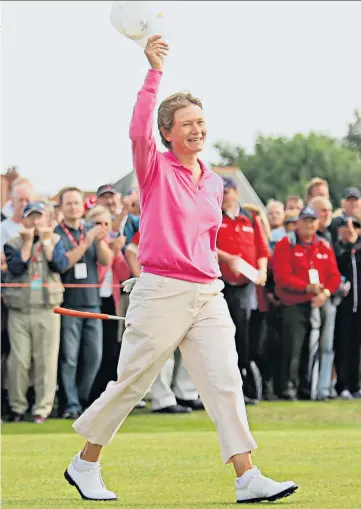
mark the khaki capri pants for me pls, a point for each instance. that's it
(165, 313)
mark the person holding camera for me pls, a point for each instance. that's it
(348, 318)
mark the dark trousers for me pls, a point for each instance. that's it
(294, 355)
(236, 298)
(271, 352)
(111, 351)
(347, 347)
(257, 336)
(79, 360)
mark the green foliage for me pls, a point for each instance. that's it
(353, 137)
(282, 166)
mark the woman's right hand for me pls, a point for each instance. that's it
(155, 52)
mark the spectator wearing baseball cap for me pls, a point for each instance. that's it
(107, 196)
(34, 258)
(123, 221)
(229, 183)
(241, 235)
(351, 206)
(306, 275)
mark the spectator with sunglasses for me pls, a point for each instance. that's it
(110, 277)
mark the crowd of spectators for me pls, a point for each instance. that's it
(297, 326)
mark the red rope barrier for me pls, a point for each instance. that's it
(69, 285)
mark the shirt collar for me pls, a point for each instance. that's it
(315, 238)
(233, 216)
(174, 161)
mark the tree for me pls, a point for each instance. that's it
(353, 137)
(282, 166)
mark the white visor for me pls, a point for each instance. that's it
(138, 20)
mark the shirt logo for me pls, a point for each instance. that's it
(247, 228)
(298, 254)
(322, 256)
(223, 225)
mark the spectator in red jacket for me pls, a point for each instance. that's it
(241, 236)
(306, 275)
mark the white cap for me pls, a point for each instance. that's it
(138, 20)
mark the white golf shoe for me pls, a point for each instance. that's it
(87, 479)
(254, 487)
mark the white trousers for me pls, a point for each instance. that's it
(172, 382)
(165, 313)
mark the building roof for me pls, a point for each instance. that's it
(246, 191)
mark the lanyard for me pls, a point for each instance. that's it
(70, 236)
(311, 252)
(35, 256)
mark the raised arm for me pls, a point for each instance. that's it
(141, 127)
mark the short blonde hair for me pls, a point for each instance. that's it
(98, 210)
(315, 182)
(294, 197)
(167, 109)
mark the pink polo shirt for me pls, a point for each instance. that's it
(180, 218)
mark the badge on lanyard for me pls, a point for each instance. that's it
(80, 271)
(314, 277)
(36, 282)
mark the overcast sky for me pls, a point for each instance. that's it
(69, 79)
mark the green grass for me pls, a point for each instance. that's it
(163, 462)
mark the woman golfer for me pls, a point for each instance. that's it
(178, 300)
